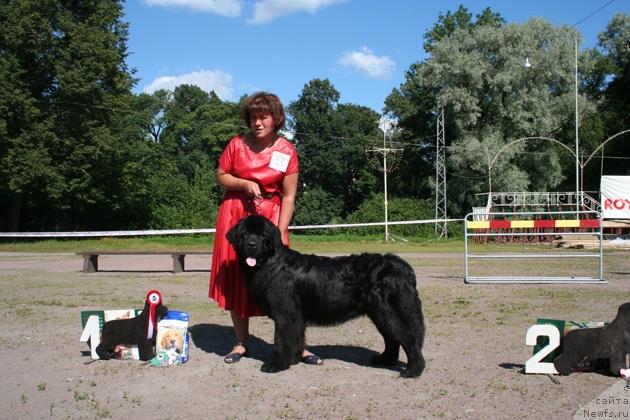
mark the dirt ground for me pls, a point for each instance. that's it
(475, 348)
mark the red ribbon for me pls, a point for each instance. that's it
(154, 298)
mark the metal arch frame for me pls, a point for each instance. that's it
(494, 159)
(602, 145)
(581, 164)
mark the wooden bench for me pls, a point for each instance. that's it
(90, 258)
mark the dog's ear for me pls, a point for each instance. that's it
(233, 235)
(272, 231)
(623, 314)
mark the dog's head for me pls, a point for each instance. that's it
(255, 240)
(172, 339)
(623, 314)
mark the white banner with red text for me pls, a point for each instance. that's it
(615, 197)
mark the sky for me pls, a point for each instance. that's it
(364, 47)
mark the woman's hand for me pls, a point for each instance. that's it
(284, 236)
(251, 188)
(230, 182)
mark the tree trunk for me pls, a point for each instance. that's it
(15, 212)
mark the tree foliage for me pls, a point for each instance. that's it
(331, 140)
(398, 209)
(172, 179)
(461, 19)
(79, 150)
(66, 88)
(476, 72)
(608, 83)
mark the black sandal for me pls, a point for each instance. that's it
(312, 359)
(234, 357)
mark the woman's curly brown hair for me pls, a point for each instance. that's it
(261, 103)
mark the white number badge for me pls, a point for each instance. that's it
(279, 161)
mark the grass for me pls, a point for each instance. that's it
(156, 243)
(306, 243)
(340, 243)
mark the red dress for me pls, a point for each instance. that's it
(268, 168)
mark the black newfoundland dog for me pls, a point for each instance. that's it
(611, 342)
(296, 290)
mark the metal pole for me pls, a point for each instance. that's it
(385, 183)
(466, 249)
(601, 246)
(437, 167)
(577, 164)
(385, 188)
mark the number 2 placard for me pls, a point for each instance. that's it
(534, 364)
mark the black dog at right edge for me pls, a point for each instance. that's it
(610, 342)
(295, 290)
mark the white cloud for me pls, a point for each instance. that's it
(367, 63)
(229, 8)
(267, 10)
(209, 80)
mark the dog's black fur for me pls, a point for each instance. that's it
(131, 331)
(296, 289)
(610, 342)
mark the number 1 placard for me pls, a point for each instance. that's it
(92, 333)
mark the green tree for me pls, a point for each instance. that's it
(315, 206)
(414, 105)
(490, 100)
(605, 81)
(615, 41)
(170, 182)
(198, 126)
(66, 89)
(460, 20)
(332, 139)
(148, 113)
(398, 209)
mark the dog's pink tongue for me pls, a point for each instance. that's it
(251, 261)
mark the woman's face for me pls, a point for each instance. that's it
(262, 126)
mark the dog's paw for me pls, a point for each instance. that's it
(410, 373)
(562, 367)
(269, 367)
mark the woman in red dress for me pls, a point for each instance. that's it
(259, 172)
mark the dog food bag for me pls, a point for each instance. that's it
(173, 339)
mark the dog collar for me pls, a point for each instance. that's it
(154, 298)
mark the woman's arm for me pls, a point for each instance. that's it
(230, 182)
(289, 190)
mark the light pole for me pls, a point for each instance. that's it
(578, 199)
(577, 164)
(386, 125)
